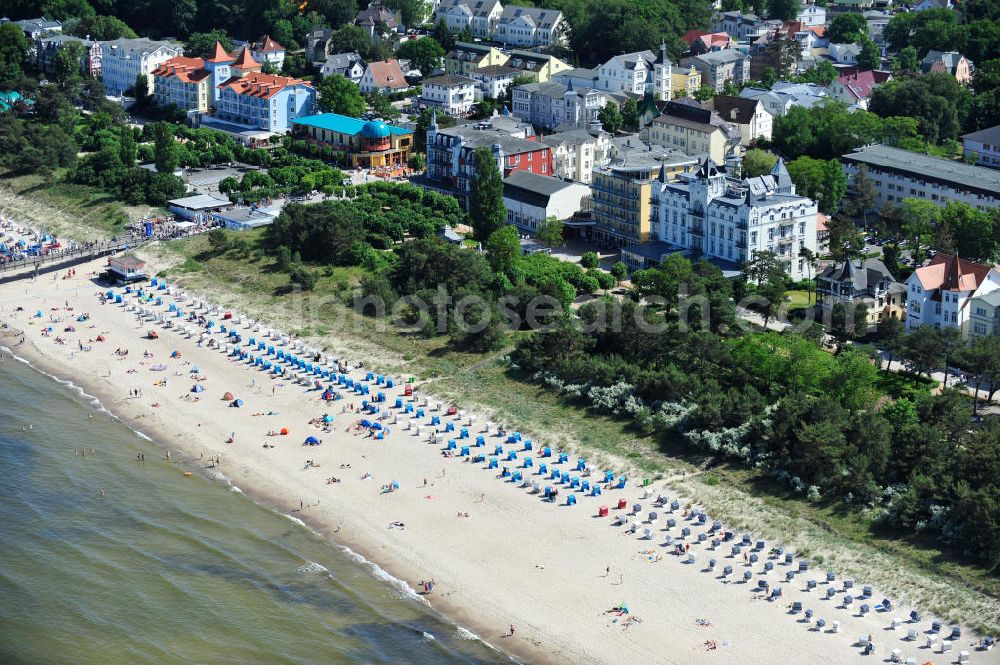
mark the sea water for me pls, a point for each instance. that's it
(164, 568)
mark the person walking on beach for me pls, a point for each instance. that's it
(512, 630)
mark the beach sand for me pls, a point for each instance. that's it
(515, 560)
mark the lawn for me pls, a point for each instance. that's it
(799, 299)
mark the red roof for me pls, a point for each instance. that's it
(245, 61)
(951, 273)
(387, 74)
(187, 70)
(261, 85)
(268, 45)
(859, 84)
(709, 39)
(220, 54)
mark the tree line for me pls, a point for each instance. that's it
(828, 427)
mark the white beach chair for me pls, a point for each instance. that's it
(963, 656)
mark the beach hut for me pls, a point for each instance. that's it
(571, 501)
(602, 511)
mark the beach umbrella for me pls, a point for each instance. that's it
(328, 419)
(197, 388)
(311, 441)
(237, 403)
(227, 396)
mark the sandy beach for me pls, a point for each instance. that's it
(499, 555)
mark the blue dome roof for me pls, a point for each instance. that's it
(375, 129)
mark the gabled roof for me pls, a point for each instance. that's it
(861, 274)
(376, 13)
(710, 40)
(989, 135)
(186, 70)
(532, 188)
(860, 84)
(387, 74)
(951, 273)
(633, 60)
(687, 112)
(496, 70)
(342, 60)
(478, 138)
(448, 81)
(949, 59)
(544, 19)
(140, 45)
(261, 85)
(481, 8)
(718, 57)
(736, 109)
(268, 45)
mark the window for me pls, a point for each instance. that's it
(979, 328)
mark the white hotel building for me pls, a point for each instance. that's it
(731, 220)
(122, 60)
(900, 174)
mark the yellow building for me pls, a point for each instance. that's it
(184, 83)
(621, 203)
(689, 81)
(687, 126)
(368, 145)
(537, 65)
(466, 57)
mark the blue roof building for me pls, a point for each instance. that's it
(369, 144)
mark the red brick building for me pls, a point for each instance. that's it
(450, 156)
